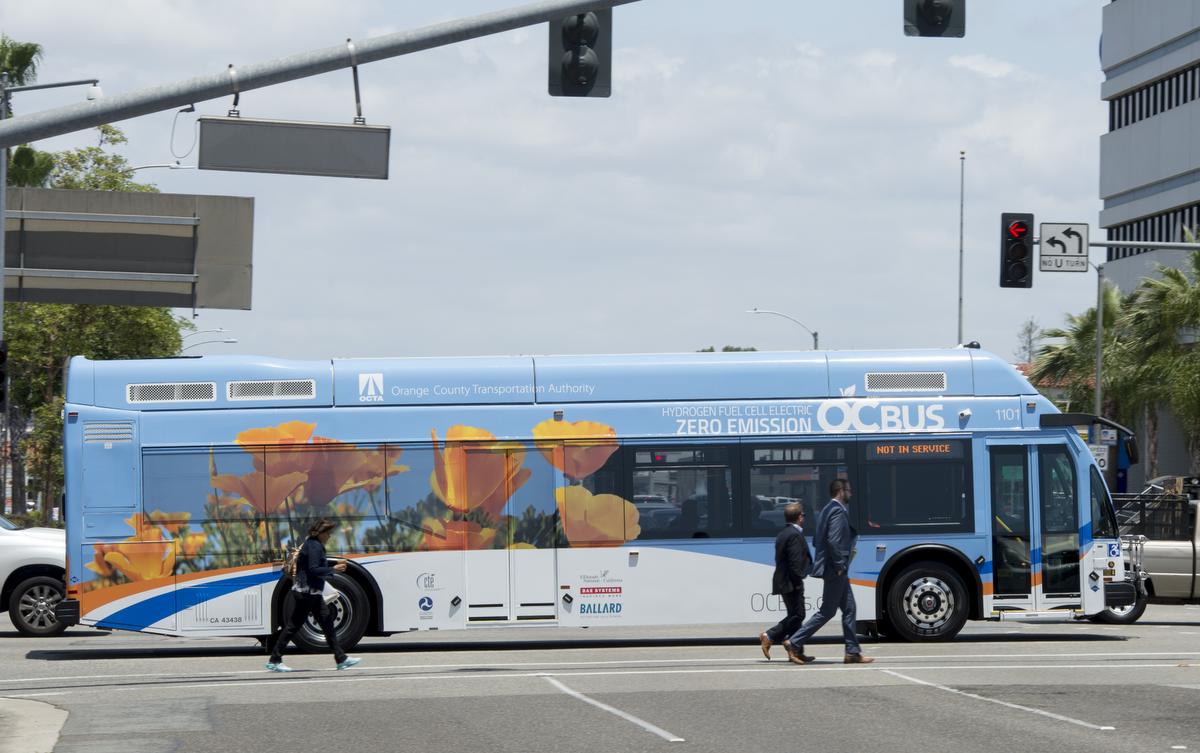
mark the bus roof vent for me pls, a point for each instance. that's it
(107, 431)
(288, 389)
(172, 392)
(906, 381)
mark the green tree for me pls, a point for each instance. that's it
(41, 336)
(27, 166)
(1070, 361)
(19, 60)
(1164, 321)
(727, 349)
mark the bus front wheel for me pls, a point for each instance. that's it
(927, 601)
(350, 614)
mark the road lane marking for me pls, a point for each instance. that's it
(1017, 706)
(607, 662)
(762, 667)
(668, 736)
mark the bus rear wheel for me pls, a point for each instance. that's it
(350, 614)
(927, 602)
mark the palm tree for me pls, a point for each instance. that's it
(1164, 318)
(27, 166)
(19, 60)
(1071, 362)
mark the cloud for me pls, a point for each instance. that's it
(984, 65)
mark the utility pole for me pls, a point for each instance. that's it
(962, 170)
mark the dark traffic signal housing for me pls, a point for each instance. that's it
(581, 55)
(935, 18)
(1016, 250)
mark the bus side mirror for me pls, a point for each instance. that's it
(1131, 449)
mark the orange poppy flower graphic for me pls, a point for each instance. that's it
(265, 493)
(145, 555)
(285, 435)
(443, 535)
(596, 519)
(292, 432)
(476, 476)
(174, 523)
(336, 467)
(578, 449)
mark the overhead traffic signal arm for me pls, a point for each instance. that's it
(1016, 250)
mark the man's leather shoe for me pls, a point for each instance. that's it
(857, 659)
(765, 643)
(796, 657)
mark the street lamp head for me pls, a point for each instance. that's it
(94, 91)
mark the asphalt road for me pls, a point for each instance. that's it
(997, 687)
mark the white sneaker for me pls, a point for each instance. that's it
(280, 667)
(348, 662)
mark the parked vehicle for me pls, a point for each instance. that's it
(32, 564)
(1165, 513)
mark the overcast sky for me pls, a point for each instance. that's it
(795, 156)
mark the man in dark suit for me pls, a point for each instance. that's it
(834, 541)
(792, 564)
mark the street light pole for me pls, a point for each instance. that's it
(757, 310)
(227, 341)
(962, 171)
(1099, 336)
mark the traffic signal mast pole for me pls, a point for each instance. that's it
(237, 79)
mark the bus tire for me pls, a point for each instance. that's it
(31, 606)
(927, 601)
(351, 614)
(1122, 615)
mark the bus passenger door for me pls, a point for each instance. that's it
(1012, 529)
(1035, 528)
(510, 560)
(1058, 529)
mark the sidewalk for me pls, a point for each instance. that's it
(29, 726)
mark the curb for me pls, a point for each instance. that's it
(29, 726)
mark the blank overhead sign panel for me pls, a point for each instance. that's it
(294, 147)
(133, 249)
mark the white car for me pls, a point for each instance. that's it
(32, 565)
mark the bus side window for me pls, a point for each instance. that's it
(784, 474)
(684, 492)
(917, 486)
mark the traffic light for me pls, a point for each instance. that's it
(581, 55)
(1016, 250)
(935, 18)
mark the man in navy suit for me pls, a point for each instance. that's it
(834, 541)
(792, 564)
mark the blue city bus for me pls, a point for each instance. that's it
(575, 490)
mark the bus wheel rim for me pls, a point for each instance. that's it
(341, 616)
(928, 603)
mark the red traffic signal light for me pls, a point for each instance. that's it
(1016, 250)
(1018, 229)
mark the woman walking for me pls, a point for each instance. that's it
(311, 571)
